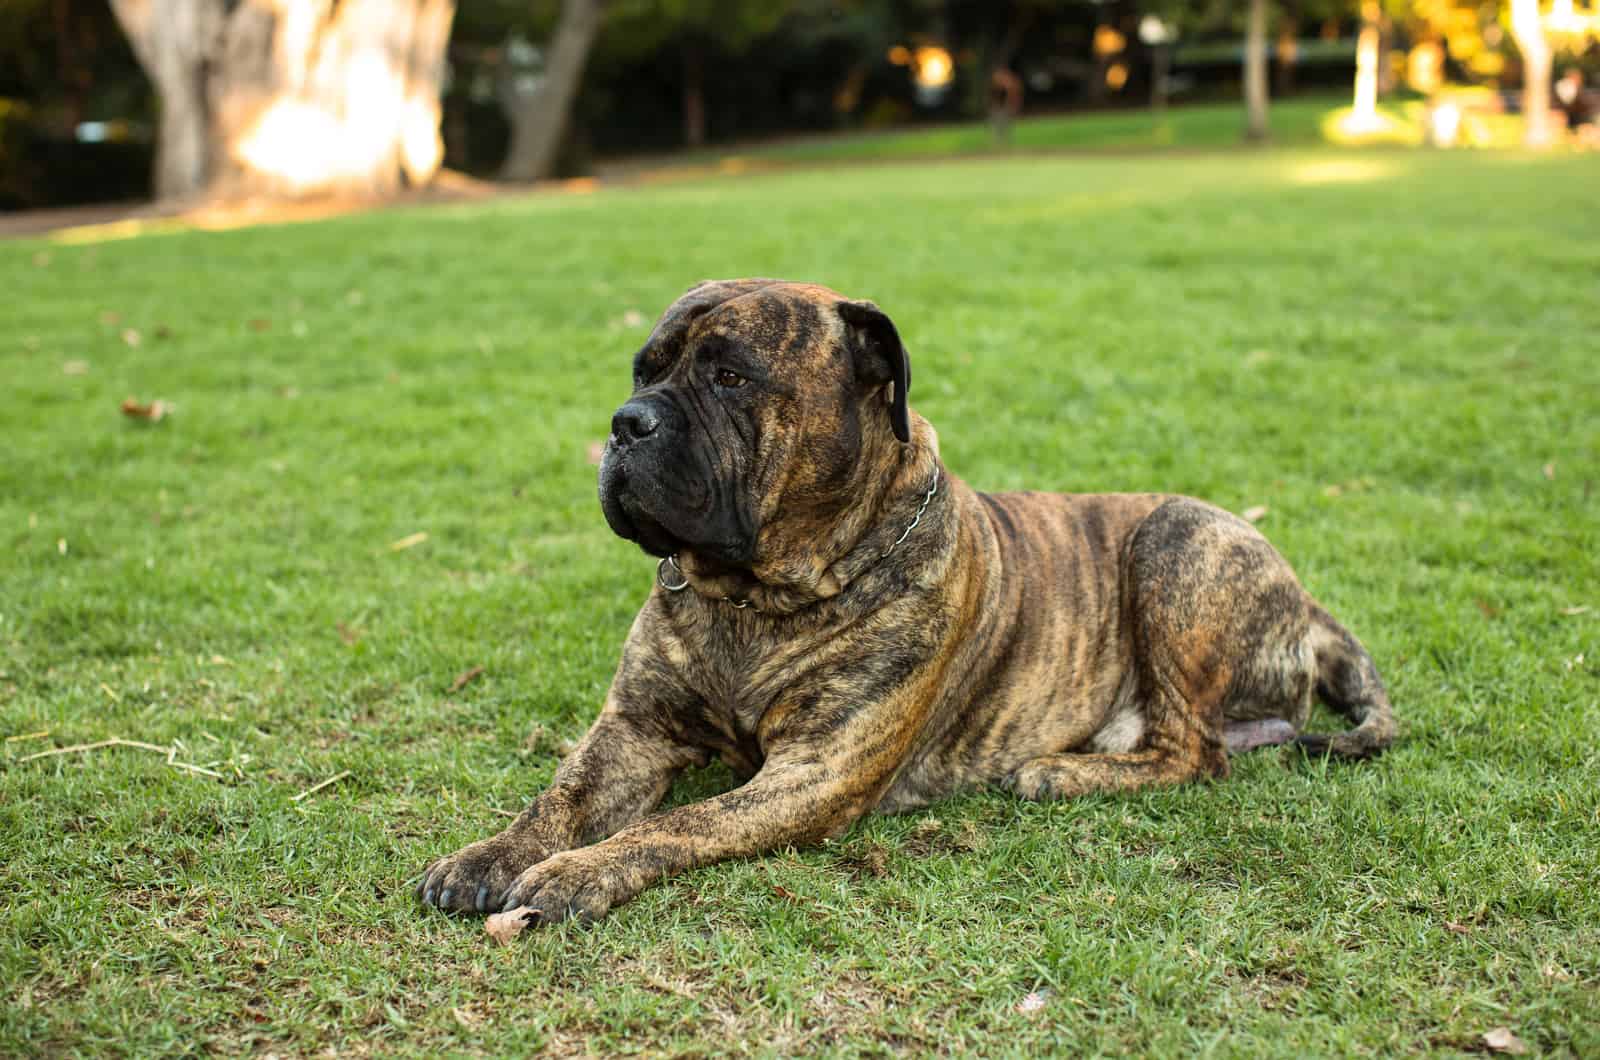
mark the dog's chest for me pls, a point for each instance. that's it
(743, 667)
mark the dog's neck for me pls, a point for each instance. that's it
(896, 499)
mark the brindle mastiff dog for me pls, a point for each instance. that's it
(852, 628)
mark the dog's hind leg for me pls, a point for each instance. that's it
(1218, 627)
(1242, 736)
(1066, 776)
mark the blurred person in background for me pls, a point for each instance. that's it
(1582, 107)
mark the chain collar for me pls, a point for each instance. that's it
(672, 561)
(683, 579)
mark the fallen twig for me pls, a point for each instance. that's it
(202, 770)
(117, 741)
(318, 787)
(409, 541)
(21, 736)
(465, 678)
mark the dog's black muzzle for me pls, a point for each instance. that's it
(646, 433)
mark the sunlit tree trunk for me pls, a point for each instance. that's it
(538, 123)
(292, 97)
(1255, 72)
(1364, 110)
(1528, 30)
(172, 40)
(1386, 72)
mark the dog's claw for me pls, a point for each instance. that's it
(427, 897)
(444, 898)
(482, 901)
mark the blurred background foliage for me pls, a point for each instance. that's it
(80, 119)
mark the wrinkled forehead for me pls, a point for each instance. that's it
(772, 320)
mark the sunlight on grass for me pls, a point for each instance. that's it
(1342, 171)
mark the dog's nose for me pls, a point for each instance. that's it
(633, 421)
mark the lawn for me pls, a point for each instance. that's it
(1395, 353)
(1198, 125)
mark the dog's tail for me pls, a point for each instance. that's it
(1348, 682)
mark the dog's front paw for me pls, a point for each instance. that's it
(578, 883)
(475, 878)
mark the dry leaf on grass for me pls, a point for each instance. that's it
(1571, 611)
(1459, 929)
(75, 368)
(1501, 1040)
(465, 678)
(1032, 1002)
(131, 336)
(1255, 514)
(503, 927)
(1488, 609)
(155, 412)
(595, 451)
(1549, 471)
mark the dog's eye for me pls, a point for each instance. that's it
(730, 380)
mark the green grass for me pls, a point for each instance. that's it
(1394, 352)
(1195, 126)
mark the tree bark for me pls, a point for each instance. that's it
(292, 98)
(1364, 107)
(538, 122)
(1255, 73)
(171, 40)
(1386, 77)
(1160, 73)
(1528, 31)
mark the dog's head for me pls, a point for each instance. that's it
(758, 409)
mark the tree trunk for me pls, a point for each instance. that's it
(292, 98)
(1255, 73)
(1528, 31)
(1364, 107)
(171, 39)
(1386, 79)
(694, 96)
(538, 122)
(1160, 74)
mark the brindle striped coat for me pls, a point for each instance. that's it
(852, 628)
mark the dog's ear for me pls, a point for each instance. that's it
(880, 358)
